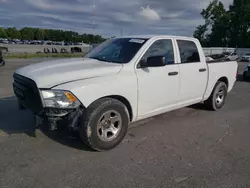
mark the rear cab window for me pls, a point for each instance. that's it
(188, 51)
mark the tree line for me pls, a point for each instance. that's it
(29, 33)
(225, 27)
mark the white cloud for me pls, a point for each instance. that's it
(149, 14)
(60, 6)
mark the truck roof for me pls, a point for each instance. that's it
(156, 36)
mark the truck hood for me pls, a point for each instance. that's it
(50, 73)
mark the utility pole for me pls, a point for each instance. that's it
(94, 21)
(121, 31)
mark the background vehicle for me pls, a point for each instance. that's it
(229, 56)
(2, 49)
(232, 56)
(245, 58)
(212, 57)
(246, 73)
(123, 80)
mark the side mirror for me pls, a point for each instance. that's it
(153, 61)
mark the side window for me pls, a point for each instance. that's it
(188, 51)
(163, 47)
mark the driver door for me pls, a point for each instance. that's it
(158, 87)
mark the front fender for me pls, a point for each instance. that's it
(92, 89)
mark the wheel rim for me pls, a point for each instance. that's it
(109, 125)
(220, 96)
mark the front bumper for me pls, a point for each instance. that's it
(54, 118)
(29, 97)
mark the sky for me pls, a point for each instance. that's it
(106, 17)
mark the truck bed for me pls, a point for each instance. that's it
(221, 70)
(219, 61)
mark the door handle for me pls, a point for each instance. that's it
(172, 73)
(202, 70)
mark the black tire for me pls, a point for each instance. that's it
(212, 102)
(90, 120)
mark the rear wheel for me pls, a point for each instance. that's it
(217, 99)
(104, 124)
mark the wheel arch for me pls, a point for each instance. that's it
(223, 79)
(122, 100)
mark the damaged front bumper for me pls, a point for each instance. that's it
(49, 106)
(54, 118)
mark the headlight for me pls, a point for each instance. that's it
(59, 99)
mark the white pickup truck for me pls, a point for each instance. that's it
(122, 80)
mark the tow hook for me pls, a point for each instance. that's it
(74, 119)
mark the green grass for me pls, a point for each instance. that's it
(28, 56)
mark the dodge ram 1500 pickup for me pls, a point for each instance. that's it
(122, 80)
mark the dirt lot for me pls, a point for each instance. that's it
(190, 147)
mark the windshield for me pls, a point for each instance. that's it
(117, 50)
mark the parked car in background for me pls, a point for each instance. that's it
(246, 58)
(123, 80)
(230, 56)
(246, 73)
(2, 49)
(212, 57)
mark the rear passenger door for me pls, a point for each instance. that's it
(193, 73)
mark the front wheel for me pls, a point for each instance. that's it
(104, 124)
(217, 99)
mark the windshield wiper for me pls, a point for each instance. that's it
(100, 59)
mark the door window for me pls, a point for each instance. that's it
(163, 47)
(188, 51)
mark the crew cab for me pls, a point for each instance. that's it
(122, 80)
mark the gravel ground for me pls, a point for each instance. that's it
(190, 147)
